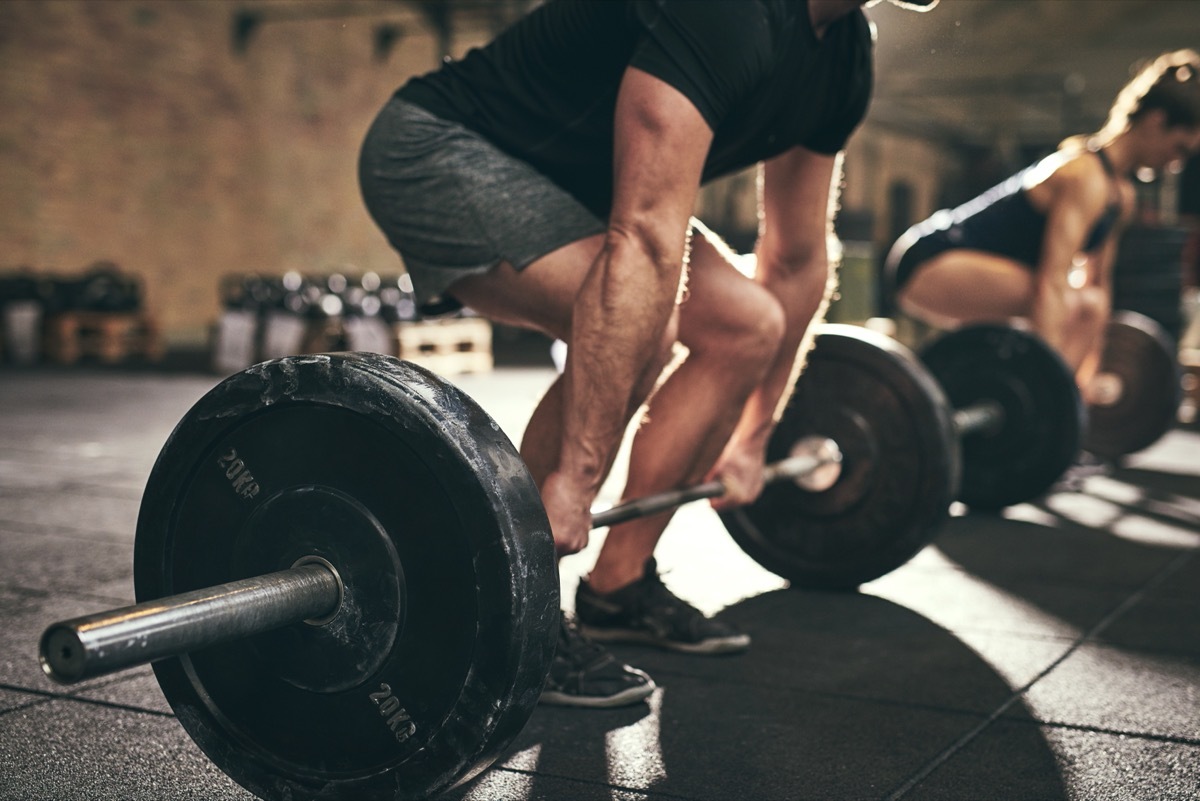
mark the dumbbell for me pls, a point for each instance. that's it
(249, 292)
(105, 288)
(362, 296)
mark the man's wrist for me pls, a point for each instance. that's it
(753, 440)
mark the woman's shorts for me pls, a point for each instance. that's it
(933, 237)
(453, 204)
(916, 246)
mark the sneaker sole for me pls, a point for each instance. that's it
(626, 698)
(725, 645)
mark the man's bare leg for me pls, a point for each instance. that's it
(732, 328)
(541, 298)
(538, 298)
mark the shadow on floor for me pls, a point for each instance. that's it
(841, 696)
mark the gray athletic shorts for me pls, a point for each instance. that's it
(453, 205)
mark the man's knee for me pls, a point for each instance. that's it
(767, 328)
(667, 345)
(749, 331)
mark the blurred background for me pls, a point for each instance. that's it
(177, 159)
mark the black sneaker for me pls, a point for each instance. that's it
(586, 674)
(647, 612)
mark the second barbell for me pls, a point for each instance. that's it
(989, 415)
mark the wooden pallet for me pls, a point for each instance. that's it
(446, 346)
(20, 331)
(110, 337)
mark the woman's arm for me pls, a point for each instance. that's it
(1074, 198)
(1099, 286)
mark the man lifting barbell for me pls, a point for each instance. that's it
(346, 579)
(347, 583)
(547, 181)
(1040, 246)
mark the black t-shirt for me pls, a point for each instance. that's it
(545, 89)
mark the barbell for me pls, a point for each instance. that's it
(988, 415)
(310, 591)
(346, 581)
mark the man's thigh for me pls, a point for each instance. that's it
(541, 296)
(454, 205)
(719, 299)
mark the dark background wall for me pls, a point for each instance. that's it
(148, 134)
(187, 139)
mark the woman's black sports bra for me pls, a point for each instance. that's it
(1000, 221)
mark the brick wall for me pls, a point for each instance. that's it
(134, 130)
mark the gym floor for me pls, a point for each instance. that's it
(1052, 653)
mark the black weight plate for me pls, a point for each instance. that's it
(1043, 413)
(294, 525)
(1142, 355)
(899, 471)
(408, 487)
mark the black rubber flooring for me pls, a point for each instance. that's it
(1050, 653)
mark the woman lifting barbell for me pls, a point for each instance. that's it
(1040, 246)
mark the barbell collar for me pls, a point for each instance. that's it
(814, 464)
(982, 417)
(1106, 390)
(106, 642)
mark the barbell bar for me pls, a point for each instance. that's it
(99, 644)
(310, 592)
(95, 645)
(808, 458)
(813, 465)
(978, 418)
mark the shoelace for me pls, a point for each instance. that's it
(576, 647)
(660, 597)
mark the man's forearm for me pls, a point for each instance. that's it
(618, 328)
(804, 295)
